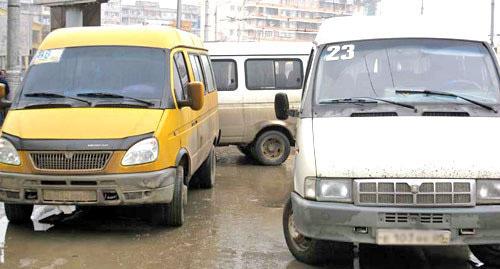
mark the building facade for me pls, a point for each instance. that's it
(284, 20)
(35, 25)
(150, 13)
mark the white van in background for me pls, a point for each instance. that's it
(248, 76)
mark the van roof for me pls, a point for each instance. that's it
(353, 28)
(258, 48)
(141, 36)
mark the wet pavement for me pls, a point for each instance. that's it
(235, 225)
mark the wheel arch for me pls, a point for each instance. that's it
(183, 158)
(276, 127)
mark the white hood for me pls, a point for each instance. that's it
(407, 147)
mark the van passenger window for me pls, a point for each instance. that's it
(180, 74)
(198, 73)
(270, 74)
(209, 76)
(226, 75)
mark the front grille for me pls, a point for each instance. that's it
(414, 218)
(414, 192)
(70, 161)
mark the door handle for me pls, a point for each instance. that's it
(194, 123)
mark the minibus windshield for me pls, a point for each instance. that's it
(105, 76)
(396, 69)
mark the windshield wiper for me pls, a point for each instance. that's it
(365, 100)
(55, 95)
(448, 94)
(113, 95)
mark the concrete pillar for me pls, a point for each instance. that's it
(13, 44)
(74, 16)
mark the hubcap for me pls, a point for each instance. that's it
(273, 148)
(300, 241)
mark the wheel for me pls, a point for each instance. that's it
(206, 172)
(171, 214)
(306, 250)
(312, 251)
(488, 254)
(272, 148)
(17, 213)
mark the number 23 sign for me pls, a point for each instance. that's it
(340, 52)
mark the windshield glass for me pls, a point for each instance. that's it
(377, 68)
(135, 72)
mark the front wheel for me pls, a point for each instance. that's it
(17, 213)
(304, 249)
(172, 214)
(272, 148)
(488, 254)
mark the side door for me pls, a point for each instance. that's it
(227, 81)
(185, 119)
(264, 78)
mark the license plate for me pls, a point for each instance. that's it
(412, 237)
(69, 196)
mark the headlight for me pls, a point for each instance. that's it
(488, 191)
(144, 151)
(8, 153)
(332, 190)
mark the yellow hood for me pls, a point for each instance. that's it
(81, 123)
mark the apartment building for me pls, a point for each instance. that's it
(35, 25)
(292, 20)
(150, 13)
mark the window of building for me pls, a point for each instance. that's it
(273, 74)
(226, 75)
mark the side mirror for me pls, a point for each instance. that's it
(281, 106)
(2, 90)
(196, 92)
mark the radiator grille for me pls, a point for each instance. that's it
(414, 218)
(414, 192)
(70, 161)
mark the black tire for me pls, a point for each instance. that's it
(306, 250)
(206, 172)
(271, 148)
(487, 254)
(18, 213)
(171, 214)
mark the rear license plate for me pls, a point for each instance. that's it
(412, 237)
(69, 196)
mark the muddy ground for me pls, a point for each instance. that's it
(235, 225)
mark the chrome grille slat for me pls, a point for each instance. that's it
(414, 192)
(70, 161)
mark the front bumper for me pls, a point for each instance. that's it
(337, 221)
(112, 189)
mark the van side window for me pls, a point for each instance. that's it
(181, 75)
(226, 75)
(273, 74)
(207, 70)
(198, 73)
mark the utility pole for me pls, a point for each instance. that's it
(492, 28)
(207, 18)
(422, 8)
(179, 14)
(13, 43)
(215, 26)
